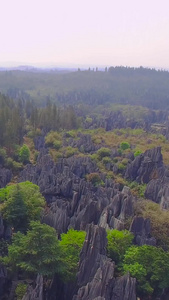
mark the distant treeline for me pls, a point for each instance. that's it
(19, 117)
(121, 85)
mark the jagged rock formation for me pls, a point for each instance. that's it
(83, 142)
(158, 191)
(146, 166)
(74, 202)
(5, 176)
(39, 142)
(141, 228)
(95, 279)
(35, 293)
(149, 168)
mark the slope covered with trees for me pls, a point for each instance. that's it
(84, 185)
(136, 86)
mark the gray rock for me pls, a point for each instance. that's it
(124, 288)
(37, 292)
(146, 166)
(5, 176)
(91, 255)
(141, 228)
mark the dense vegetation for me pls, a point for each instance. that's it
(122, 85)
(84, 114)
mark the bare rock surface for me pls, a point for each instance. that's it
(141, 228)
(146, 166)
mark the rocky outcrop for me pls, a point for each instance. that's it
(146, 166)
(83, 142)
(35, 293)
(95, 279)
(124, 288)
(141, 228)
(5, 176)
(39, 142)
(157, 190)
(74, 202)
(91, 255)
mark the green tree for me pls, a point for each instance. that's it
(37, 252)
(150, 266)
(24, 154)
(118, 243)
(124, 145)
(22, 203)
(71, 244)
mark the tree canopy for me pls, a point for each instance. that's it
(70, 245)
(37, 252)
(118, 243)
(22, 203)
(150, 266)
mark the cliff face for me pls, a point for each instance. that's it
(146, 166)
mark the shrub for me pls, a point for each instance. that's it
(137, 153)
(102, 152)
(94, 157)
(70, 151)
(124, 161)
(138, 189)
(70, 134)
(121, 166)
(20, 290)
(57, 145)
(24, 154)
(12, 164)
(52, 137)
(124, 145)
(106, 160)
(94, 178)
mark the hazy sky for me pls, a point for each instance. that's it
(89, 32)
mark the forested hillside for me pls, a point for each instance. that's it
(136, 86)
(84, 177)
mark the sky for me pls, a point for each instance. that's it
(85, 33)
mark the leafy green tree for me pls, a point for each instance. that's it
(124, 145)
(37, 252)
(24, 154)
(150, 266)
(118, 243)
(22, 203)
(71, 244)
